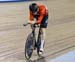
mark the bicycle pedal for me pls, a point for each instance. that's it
(34, 48)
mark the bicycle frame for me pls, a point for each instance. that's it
(34, 36)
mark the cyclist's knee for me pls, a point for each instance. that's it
(43, 33)
(42, 30)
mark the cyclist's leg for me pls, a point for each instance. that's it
(43, 31)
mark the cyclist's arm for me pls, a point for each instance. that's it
(39, 19)
(31, 17)
(42, 13)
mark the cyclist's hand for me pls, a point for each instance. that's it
(32, 22)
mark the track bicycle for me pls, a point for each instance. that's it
(31, 42)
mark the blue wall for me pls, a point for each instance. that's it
(1, 1)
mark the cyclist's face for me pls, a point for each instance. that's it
(35, 13)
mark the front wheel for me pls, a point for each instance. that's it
(29, 46)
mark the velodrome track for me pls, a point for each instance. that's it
(60, 34)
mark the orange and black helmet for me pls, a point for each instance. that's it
(33, 7)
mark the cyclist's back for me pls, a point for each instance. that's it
(42, 12)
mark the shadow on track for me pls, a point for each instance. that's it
(38, 60)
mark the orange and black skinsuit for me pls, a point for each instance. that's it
(41, 17)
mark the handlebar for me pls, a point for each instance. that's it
(35, 25)
(26, 24)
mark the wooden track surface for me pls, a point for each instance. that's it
(60, 34)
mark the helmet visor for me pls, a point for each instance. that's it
(34, 8)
